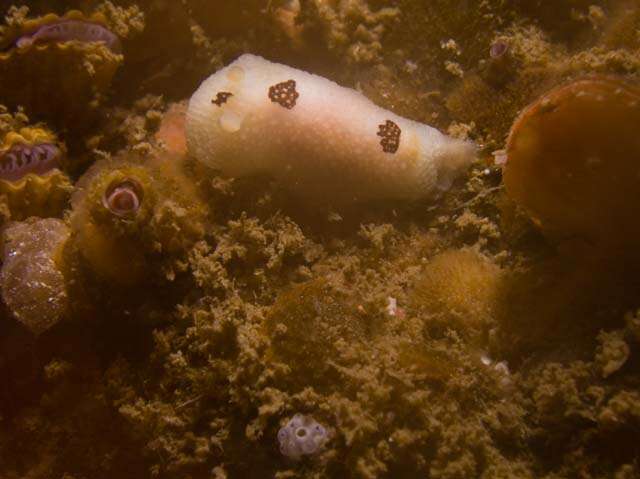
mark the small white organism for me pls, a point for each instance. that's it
(302, 436)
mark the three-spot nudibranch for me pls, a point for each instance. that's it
(316, 137)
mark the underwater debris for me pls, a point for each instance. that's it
(58, 67)
(316, 137)
(32, 281)
(572, 162)
(302, 436)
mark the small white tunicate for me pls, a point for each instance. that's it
(301, 436)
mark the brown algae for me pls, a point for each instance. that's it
(169, 322)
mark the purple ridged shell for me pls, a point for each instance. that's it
(68, 30)
(21, 159)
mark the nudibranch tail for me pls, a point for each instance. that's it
(316, 137)
(453, 158)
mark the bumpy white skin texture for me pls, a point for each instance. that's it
(316, 137)
(301, 436)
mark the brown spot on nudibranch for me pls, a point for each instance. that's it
(390, 134)
(284, 94)
(221, 98)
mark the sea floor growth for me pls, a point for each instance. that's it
(204, 326)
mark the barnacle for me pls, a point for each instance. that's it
(123, 197)
(572, 162)
(32, 280)
(133, 218)
(31, 181)
(58, 67)
(501, 64)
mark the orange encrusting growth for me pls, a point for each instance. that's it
(172, 129)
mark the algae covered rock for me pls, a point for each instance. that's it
(134, 219)
(312, 324)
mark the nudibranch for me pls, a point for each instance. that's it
(33, 284)
(573, 161)
(318, 138)
(31, 178)
(58, 68)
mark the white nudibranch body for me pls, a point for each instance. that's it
(316, 137)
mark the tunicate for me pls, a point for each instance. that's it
(301, 436)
